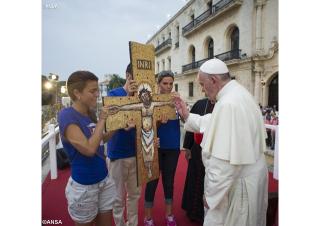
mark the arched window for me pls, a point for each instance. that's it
(210, 49)
(235, 39)
(193, 54)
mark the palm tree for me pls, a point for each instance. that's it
(115, 81)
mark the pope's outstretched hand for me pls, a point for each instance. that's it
(181, 106)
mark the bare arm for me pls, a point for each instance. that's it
(87, 146)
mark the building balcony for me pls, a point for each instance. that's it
(193, 65)
(163, 46)
(213, 12)
(230, 55)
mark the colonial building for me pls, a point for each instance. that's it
(242, 33)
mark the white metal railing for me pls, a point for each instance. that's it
(276, 150)
(51, 139)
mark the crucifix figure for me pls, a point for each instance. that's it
(145, 108)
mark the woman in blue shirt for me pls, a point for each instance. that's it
(169, 134)
(90, 191)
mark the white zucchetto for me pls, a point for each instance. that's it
(214, 66)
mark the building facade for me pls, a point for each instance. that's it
(242, 33)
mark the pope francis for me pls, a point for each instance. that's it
(236, 176)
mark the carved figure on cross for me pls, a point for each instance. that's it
(147, 131)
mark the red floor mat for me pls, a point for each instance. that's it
(54, 203)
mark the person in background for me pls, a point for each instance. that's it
(122, 163)
(274, 121)
(192, 199)
(169, 134)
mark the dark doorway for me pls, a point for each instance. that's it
(273, 98)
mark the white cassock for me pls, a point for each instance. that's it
(236, 175)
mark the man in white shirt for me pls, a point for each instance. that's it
(233, 145)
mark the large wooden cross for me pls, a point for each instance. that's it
(145, 108)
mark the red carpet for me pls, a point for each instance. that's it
(159, 209)
(273, 210)
(273, 184)
(54, 203)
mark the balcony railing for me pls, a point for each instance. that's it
(203, 16)
(167, 43)
(193, 65)
(230, 55)
(211, 12)
(233, 54)
(220, 5)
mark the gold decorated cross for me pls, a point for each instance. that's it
(145, 108)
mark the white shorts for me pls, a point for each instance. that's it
(86, 201)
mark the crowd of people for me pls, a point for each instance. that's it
(271, 117)
(226, 182)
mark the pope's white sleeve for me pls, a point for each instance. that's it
(220, 175)
(196, 123)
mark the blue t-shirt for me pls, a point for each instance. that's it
(123, 143)
(169, 134)
(84, 170)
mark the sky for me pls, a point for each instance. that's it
(94, 35)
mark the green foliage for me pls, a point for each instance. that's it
(115, 81)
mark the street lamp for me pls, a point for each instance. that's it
(104, 88)
(105, 85)
(63, 89)
(53, 77)
(101, 87)
(48, 85)
(103, 92)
